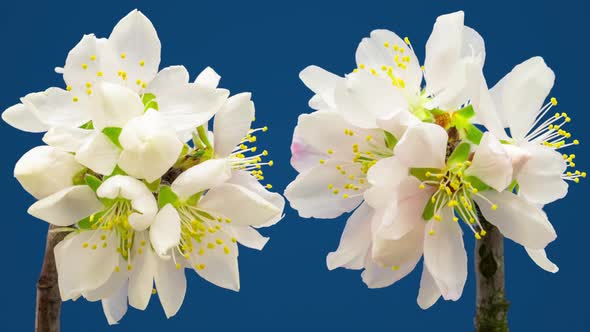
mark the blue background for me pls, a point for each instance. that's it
(261, 47)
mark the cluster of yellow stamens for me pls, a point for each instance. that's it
(252, 163)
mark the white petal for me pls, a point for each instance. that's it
(540, 178)
(115, 307)
(203, 176)
(171, 286)
(150, 147)
(491, 163)
(142, 199)
(378, 276)
(135, 39)
(355, 241)
(304, 156)
(45, 170)
(165, 231)
(68, 139)
(521, 93)
(82, 269)
(443, 51)
(518, 219)
(141, 278)
(445, 256)
(86, 60)
(168, 79)
(539, 256)
(66, 207)
(321, 82)
(23, 118)
(398, 123)
(362, 98)
(385, 177)
(232, 123)
(221, 267)
(378, 51)
(249, 237)
(423, 146)
(99, 154)
(429, 292)
(405, 250)
(189, 106)
(56, 107)
(208, 77)
(115, 281)
(242, 206)
(115, 105)
(246, 180)
(310, 193)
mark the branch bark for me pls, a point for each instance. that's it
(48, 297)
(492, 306)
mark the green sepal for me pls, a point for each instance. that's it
(423, 114)
(167, 196)
(149, 101)
(113, 134)
(194, 199)
(428, 212)
(205, 214)
(420, 173)
(437, 112)
(390, 140)
(473, 133)
(88, 125)
(153, 186)
(466, 112)
(78, 178)
(86, 223)
(203, 135)
(459, 155)
(476, 183)
(116, 171)
(92, 181)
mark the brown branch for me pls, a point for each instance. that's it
(492, 306)
(48, 297)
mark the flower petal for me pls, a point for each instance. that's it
(249, 237)
(520, 95)
(23, 118)
(220, 266)
(491, 163)
(81, 269)
(242, 206)
(363, 98)
(203, 176)
(355, 241)
(136, 41)
(168, 79)
(141, 278)
(115, 306)
(423, 146)
(171, 286)
(165, 231)
(539, 256)
(116, 105)
(232, 123)
(315, 193)
(384, 48)
(429, 292)
(377, 276)
(445, 256)
(304, 156)
(517, 219)
(540, 178)
(142, 200)
(67, 206)
(208, 77)
(99, 154)
(321, 82)
(150, 147)
(405, 250)
(385, 177)
(56, 107)
(68, 138)
(45, 170)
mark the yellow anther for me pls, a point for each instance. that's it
(178, 266)
(483, 233)
(88, 92)
(142, 63)
(421, 186)
(226, 250)
(368, 138)
(154, 291)
(138, 82)
(386, 44)
(211, 245)
(219, 241)
(92, 57)
(362, 66)
(494, 207)
(117, 269)
(394, 268)
(330, 151)
(437, 217)
(553, 101)
(477, 236)
(84, 66)
(75, 99)
(271, 163)
(407, 40)
(99, 74)
(330, 186)
(265, 153)
(85, 245)
(431, 232)
(69, 88)
(474, 190)
(455, 219)
(123, 55)
(345, 196)
(576, 142)
(268, 186)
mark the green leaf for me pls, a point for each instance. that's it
(149, 101)
(92, 181)
(153, 187)
(113, 134)
(473, 133)
(420, 173)
(459, 155)
(466, 112)
(476, 183)
(390, 140)
(167, 196)
(428, 212)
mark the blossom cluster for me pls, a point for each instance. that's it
(132, 173)
(417, 164)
